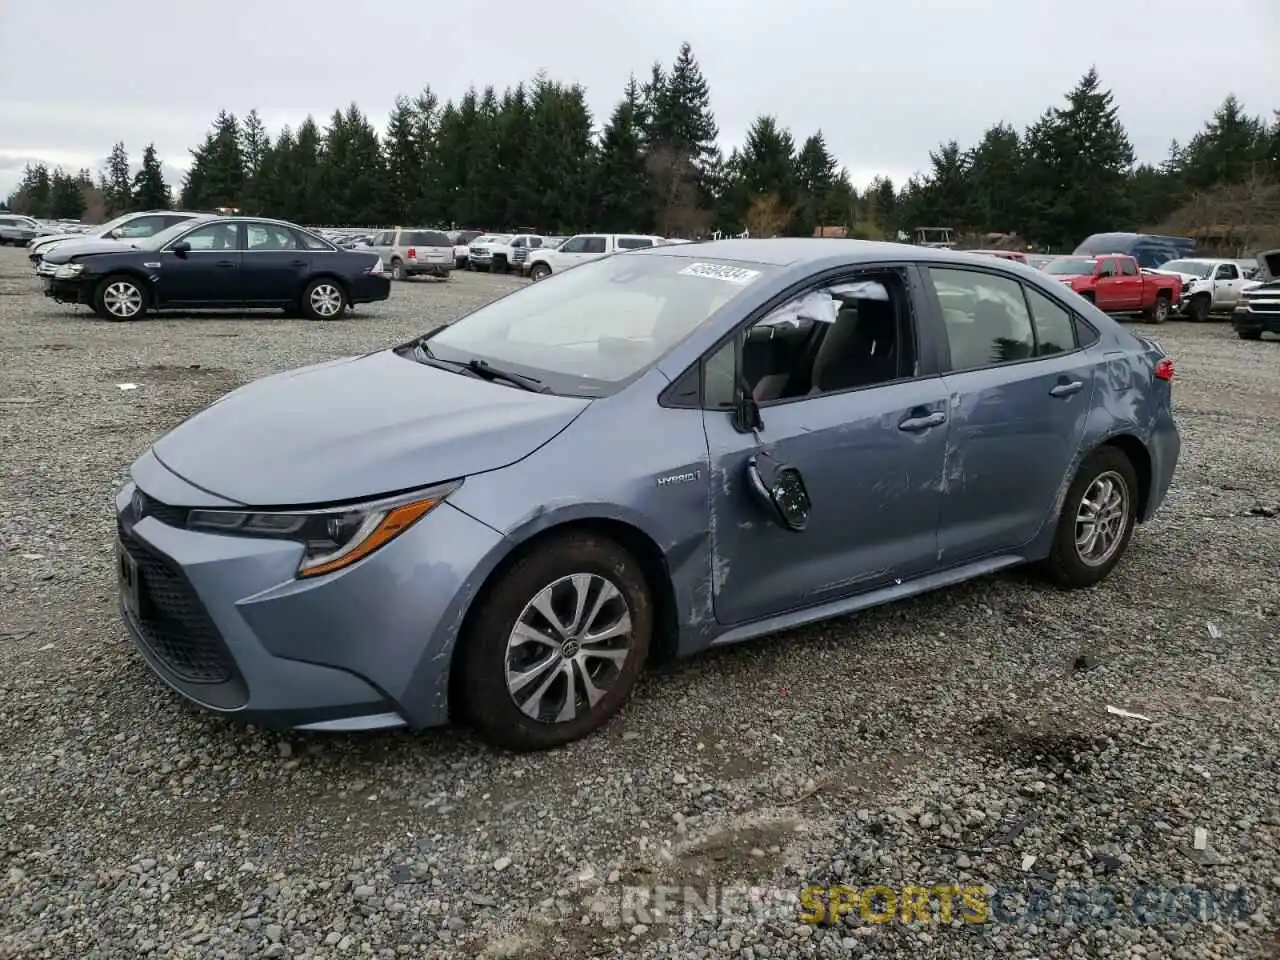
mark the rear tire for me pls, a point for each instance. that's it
(1106, 489)
(324, 299)
(120, 298)
(561, 659)
(397, 270)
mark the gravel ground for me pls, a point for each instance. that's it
(943, 741)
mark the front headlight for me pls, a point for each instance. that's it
(334, 538)
(69, 271)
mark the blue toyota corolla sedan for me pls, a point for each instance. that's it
(646, 455)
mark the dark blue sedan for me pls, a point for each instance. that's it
(216, 262)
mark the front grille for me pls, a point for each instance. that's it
(1262, 306)
(174, 623)
(519, 255)
(169, 516)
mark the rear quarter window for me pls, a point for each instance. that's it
(633, 243)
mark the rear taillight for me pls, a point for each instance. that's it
(1164, 369)
(413, 253)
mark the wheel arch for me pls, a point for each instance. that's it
(629, 536)
(1140, 458)
(134, 273)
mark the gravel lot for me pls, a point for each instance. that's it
(942, 741)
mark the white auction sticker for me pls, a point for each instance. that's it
(715, 271)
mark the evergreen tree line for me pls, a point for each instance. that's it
(530, 158)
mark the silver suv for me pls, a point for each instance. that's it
(409, 252)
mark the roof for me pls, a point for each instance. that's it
(787, 251)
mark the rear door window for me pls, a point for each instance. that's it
(594, 245)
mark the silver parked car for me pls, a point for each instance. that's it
(19, 230)
(647, 455)
(129, 226)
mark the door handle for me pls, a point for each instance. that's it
(1067, 389)
(920, 424)
(225, 264)
(297, 263)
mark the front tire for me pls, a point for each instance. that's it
(324, 299)
(120, 298)
(1199, 309)
(557, 644)
(1249, 334)
(540, 271)
(1097, 520)
(1159, 313)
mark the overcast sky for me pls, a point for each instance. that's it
(885, 81)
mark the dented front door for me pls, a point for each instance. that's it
(871, 461)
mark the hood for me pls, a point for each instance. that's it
(357, 428)
(64, 252)
(49, 239)
(1184, 277)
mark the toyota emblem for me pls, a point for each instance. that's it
(139, 504)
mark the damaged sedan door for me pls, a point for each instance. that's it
(826, 448)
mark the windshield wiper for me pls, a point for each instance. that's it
(479, 368)
(485, 369)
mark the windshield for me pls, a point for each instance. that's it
(1071, 266)
(1193, 267)
(112, 224)
(598, 324)
(158, 240)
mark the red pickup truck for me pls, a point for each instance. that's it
(1118, 285)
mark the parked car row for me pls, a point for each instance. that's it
(21, 230)
(1119, 282)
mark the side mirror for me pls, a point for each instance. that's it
(181, 249)
(781, 490)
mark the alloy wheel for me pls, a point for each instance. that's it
(326, 300)
(1102, 518)
(122, 299)
(568, 647)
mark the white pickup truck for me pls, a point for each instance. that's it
(582, 248)
(1208, 285)
(507, 252)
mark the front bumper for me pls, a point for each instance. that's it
(226, 623)
(68, 291)
(1254, 320)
